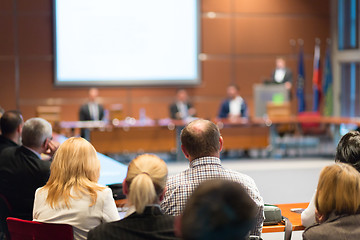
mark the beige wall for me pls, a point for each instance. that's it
(241, 44)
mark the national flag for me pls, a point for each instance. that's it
(301, 82)
(328, 86)
(317, 86)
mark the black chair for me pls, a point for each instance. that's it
(5, 211)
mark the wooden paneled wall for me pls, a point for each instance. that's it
(241, 39)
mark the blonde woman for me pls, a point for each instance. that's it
(144, 186)
(72, 195)
(337, 202)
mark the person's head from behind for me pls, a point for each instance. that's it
(338, 191)
(11, 123)
(201, 138)
(76, 169)
(348, 149)
(218, 209)
(232, 91)
(36, 134)
(145, 181)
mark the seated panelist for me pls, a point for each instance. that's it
(234, 106)
(182, 109)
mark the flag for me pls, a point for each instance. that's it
(328, 87)
(301, 82)
(317, 86)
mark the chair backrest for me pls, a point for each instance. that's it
(310, 127)
(5, 211)
(30, 230)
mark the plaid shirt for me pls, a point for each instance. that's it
(180, 187)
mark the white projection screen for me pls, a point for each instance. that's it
(126, 42)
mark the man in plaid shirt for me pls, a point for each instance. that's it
(201, 144)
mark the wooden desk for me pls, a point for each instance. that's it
(244, 134)
(134, 139)
(161, 136)
(295, 218)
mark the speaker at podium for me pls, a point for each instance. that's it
(269, 94)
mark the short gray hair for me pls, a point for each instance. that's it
(35, 132)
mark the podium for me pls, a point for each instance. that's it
(266, 93)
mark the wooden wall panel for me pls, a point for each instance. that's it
(216, 35)
(35, 35)
(6, 35)
(217, 75)
(318, 7)
(276, 33)
(34, 5)
(6, 6)
(240, 43)
(216, 6)
(7, 87)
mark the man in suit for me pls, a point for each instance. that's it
(281, 74)
(182, 109)
(91, 111)
(234, 106)
(201, 144)
(21, 169)
(11, 123)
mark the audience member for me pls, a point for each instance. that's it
(21, 169)
(72, 195)
(144, 186)
(347, 151)
(201, 145)
(11, 123)
(218, 209)
(234, 106)
(337, 204)
(182, 109)
(91, 111)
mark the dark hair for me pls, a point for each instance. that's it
(10, 121)
(218, 209)
(201, 138)
(348, 149)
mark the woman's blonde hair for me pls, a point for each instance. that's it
(75, 171)
(338, 190)
(146, 180)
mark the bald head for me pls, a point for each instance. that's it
(201, 138)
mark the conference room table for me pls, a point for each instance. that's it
(136, 136)
(294, 218)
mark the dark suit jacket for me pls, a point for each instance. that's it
(84, 113)
(334, 228)
(22, 172)
(5, 142)
(225, 109)
(152, 224)
(287, 76)
(174, 110)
